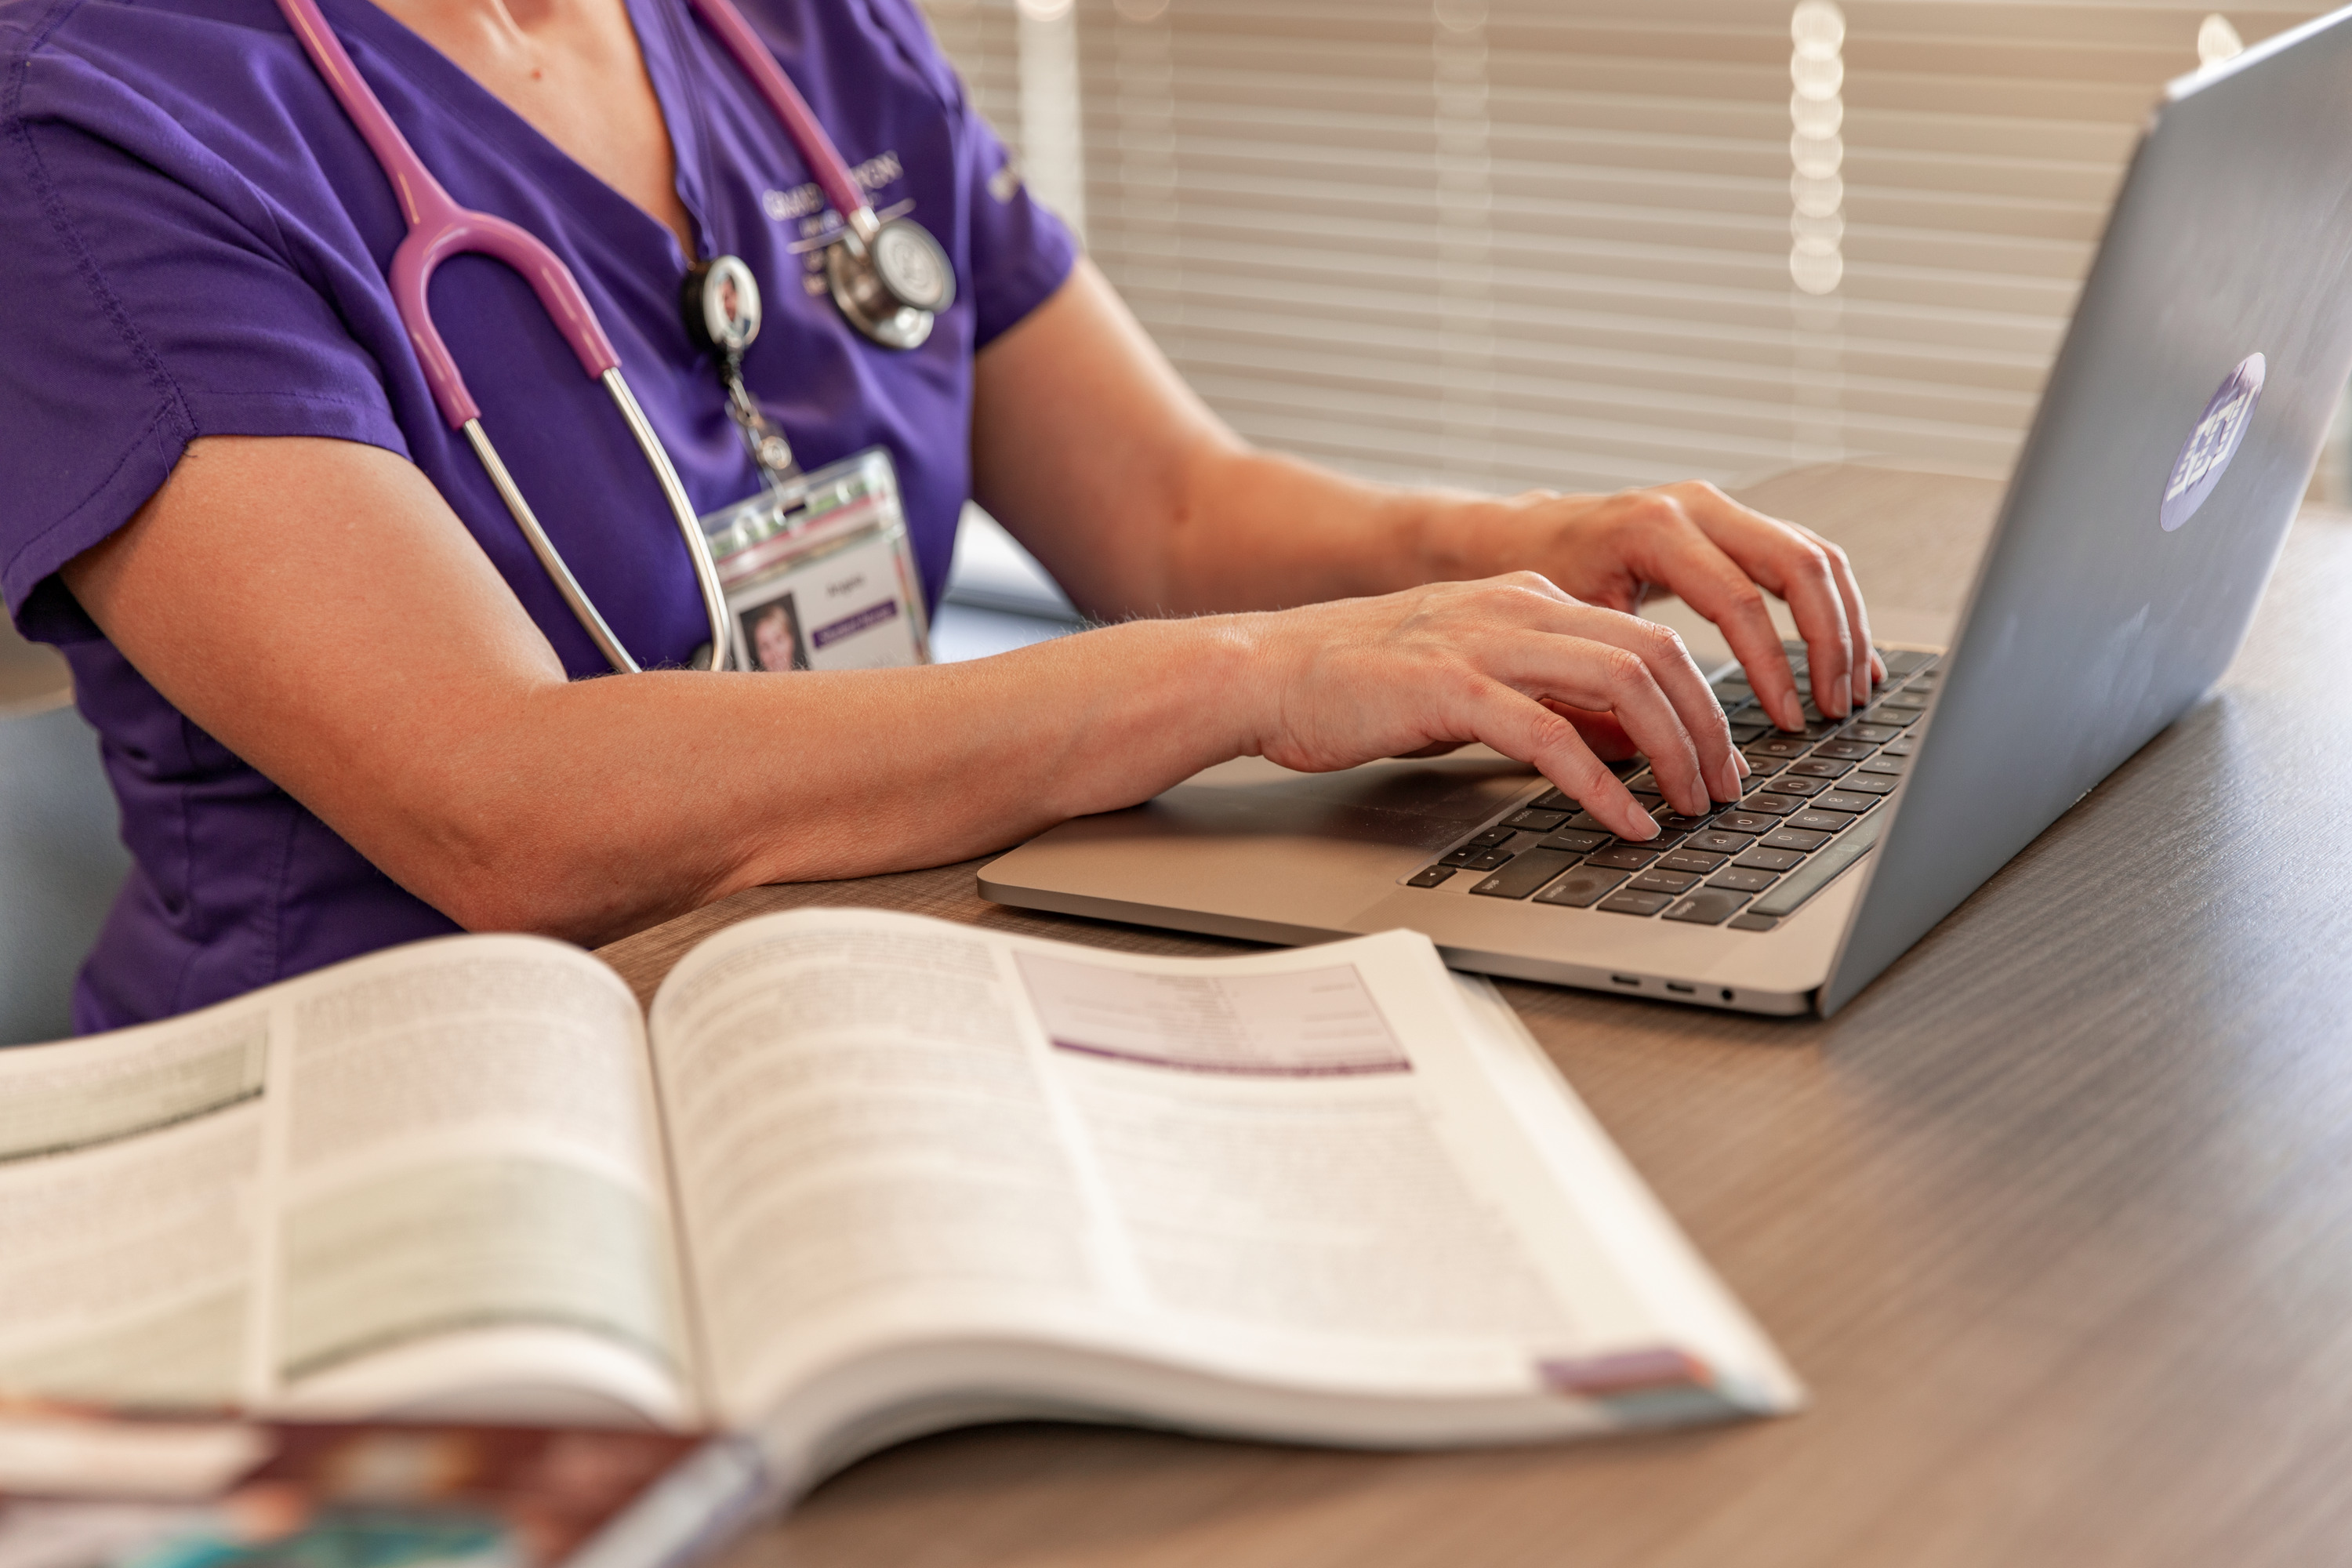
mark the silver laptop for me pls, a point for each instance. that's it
(2175, 438)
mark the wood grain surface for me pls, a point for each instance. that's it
(2056, 1219)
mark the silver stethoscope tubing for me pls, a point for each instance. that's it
(887, 279)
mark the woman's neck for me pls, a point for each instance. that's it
(572, 69)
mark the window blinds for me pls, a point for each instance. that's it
(1511, 242)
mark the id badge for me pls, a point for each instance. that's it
(822, 576)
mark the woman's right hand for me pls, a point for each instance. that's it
(1512, 662)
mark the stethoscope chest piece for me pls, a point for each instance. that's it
(890, 284)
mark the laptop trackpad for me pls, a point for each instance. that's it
(1247, 848)
(1417, 804)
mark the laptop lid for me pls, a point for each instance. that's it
(2173, 444)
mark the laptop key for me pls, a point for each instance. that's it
(1901, 748)
(1816, 821)
(1820, 870)
(1762, 859)
(1875, 733)
(1844, 751)
(1622, 858)
(1491, 838)
(1902, 661)
(1773, 805)
(1840, 800)
(1469, 860)
(1750, 920)
(1818, 766)
(1868, 784)
(1535, 821)
(1741, 822)
(1716, 841)
(1676, 822)
(1794, 783)
(1430, 877)
(1574, 842)
(1552, 800)
(1785, 747)
(1796, 838)
(1891, 767)
(1709, 907)
(1690, 860)
(1585, 822)
(1656, 881)
(1580, 888)
(1525, 874)
(1630, 902)
(1743, 879)
(1742, 731)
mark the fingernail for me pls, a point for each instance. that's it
(1639, 825)
(1741, 762)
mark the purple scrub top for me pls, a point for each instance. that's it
(196, 242)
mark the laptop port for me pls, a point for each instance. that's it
(1727, 993)
(1624, 980)
(1679, 989)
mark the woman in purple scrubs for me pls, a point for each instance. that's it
(343, 707)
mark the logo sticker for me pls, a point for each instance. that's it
(2213, 444)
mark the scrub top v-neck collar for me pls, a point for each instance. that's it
(507, 135)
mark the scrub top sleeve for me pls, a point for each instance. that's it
(1020, 251)
(137, 314)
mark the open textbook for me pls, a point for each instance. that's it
(859, 1175)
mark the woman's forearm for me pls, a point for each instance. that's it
(589, 809)
(1261, 531)
(1142, 502)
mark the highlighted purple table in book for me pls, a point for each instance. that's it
(1321, 1023)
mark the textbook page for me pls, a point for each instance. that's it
(428, 1179)
(1288, 1168)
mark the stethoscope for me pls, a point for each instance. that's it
(887, 279)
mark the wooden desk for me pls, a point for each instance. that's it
(2056, 1219)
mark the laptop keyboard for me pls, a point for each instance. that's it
(1812, 810)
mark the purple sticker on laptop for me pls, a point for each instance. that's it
(2213, 444)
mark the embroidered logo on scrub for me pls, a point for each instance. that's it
(2213, 444)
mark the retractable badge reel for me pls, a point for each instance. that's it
(817, 568)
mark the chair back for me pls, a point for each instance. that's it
(61, 855)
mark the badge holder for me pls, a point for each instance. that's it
(817, 568)
(819, 573)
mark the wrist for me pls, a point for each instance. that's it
(1235, 674)
(1152, 702)
(1462, 537)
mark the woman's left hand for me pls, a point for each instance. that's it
(1719, 557)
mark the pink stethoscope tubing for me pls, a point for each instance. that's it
(438, 228)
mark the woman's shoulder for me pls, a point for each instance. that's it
(186, 86)
(871, 42)
(196, 43)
